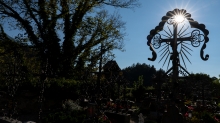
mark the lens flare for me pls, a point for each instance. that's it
(179, 18)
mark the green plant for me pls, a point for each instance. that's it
(103, 119)
(208, 118)
(75, 116)
(71, 113)
(194, 119)
(187, 102)
(205, 116)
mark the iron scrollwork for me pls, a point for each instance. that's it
(198, 36)
(196, 39)
(171, 21)
(157, 41)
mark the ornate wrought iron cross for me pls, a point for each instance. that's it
(177, 39)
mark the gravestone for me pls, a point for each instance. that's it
(141, 118)
(11, 120)
(8, 120)
(173, 116)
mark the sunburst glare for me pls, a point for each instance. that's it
(179, 18)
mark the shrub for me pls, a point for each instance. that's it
(205, 116)
(71, 113)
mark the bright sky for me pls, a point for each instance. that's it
(140, 21)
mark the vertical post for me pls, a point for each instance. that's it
(100, 70)
(175, 60)
(174, 48)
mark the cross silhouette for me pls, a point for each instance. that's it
(176, 38)
(173, 40)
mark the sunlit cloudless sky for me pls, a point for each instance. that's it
(140, 21)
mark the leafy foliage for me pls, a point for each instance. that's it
(76, 116)
(17, 60)
(139, 90)
(71, 112)
(131, 73)
(206, 117)
(67, 34)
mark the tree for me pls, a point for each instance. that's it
(133, 72)
(67, 31)
(139, 90)
(198, 86)
(216, 87)
(17, 61)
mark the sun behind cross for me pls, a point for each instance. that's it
(179, 18)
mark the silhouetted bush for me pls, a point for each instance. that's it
(71, 113)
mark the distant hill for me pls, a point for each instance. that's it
(132, 73)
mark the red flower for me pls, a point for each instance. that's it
(191, 108)
(216, 119)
